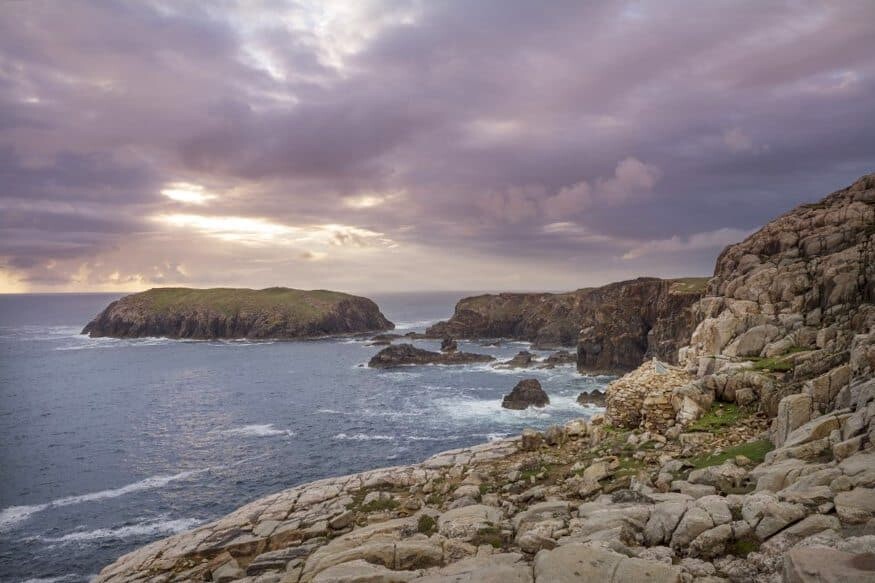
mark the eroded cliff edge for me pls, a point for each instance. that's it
(237, 313)
(615, 327)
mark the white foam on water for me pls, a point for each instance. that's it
(56, 579)
(414, 324)
(465, 409)
(258, 430)
(362, 437)
(141, 529)
(12, 515)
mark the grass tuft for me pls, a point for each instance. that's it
(755, 450)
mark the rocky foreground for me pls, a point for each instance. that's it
(277, 312)
(582, 502)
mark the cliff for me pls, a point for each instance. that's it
(237, 313)
(615, 326)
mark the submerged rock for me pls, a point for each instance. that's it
(449, 345)
(407, 354)
(594, 398)
(523, 359)
(526, 393)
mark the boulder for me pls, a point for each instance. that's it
(498, 568)
(817, 564)
(523, 359)
(449, 345)
(578, 563)
(531, 440)
(526, 393)
(467, 522)
(594, 398)
(793, 411)
(856, 506)
(360, 571)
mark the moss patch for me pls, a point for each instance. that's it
(689, 285)
(755, 450)
(426, 525)
(719, 416)
(489, 535)
(744, 546)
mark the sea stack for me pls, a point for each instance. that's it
(527, 393)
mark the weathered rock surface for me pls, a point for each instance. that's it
(527, 393)
(237, 313)
(796, 291)
(622, 322)
(407, 354)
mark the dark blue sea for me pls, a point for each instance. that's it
(107, 444)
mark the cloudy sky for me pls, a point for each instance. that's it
(404, 145)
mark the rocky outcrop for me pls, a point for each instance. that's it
(407, 354)
(237, 313)
(615, 327)
(522, 359)
(527, 393)
(791, 297)
(595, 398)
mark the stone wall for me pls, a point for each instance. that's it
(643, 398)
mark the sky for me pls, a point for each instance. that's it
(374, 146)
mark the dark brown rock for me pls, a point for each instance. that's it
(623, 323)
(523, 359)
(449, 345)
(407, 354)
(594, 399)
(527, 393)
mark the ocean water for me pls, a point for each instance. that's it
(106, 444)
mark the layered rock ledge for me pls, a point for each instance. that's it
(277, 312)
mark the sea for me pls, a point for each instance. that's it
(108, 444)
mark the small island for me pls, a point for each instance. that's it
(272, 313)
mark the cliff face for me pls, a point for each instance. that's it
(795, 297)
(237, 313)
(615, 326)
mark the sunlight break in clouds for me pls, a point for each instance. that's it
(187, 193)
(259, 231)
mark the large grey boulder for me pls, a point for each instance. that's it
(579, 563)
(819, 564)
(498, 568)
(856, 506)
(467, 521)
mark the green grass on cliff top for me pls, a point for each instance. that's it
(230, 301)
(689, 285)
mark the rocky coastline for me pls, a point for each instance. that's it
(273, 313)
(749, 456)
(614, 327)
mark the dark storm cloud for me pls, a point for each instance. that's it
(606, 136)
